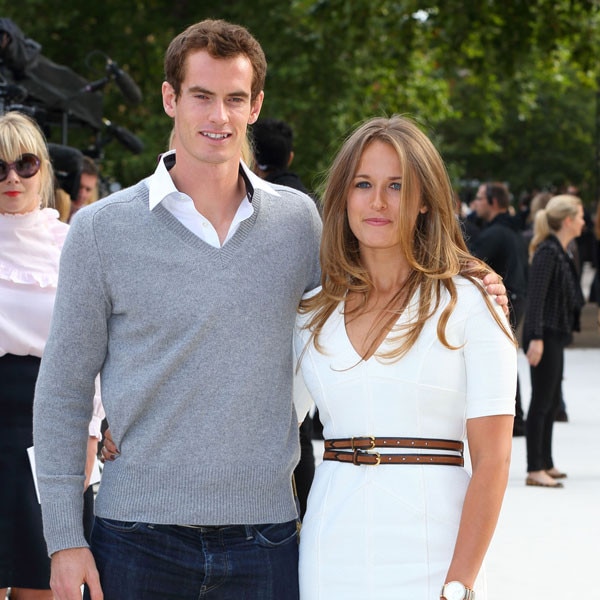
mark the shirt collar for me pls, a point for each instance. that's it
(160, 184)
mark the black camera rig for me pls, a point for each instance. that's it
(57, 97)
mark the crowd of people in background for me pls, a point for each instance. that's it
(231, 197)
(540, 248)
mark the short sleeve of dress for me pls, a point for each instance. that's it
(490, 362)
(303, 401)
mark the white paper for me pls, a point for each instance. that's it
(95, 478)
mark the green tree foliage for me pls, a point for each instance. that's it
(507, 88)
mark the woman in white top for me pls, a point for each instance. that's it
(406, 358)
(31, 238)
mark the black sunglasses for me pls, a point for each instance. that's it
(26, 166)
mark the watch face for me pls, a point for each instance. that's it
(454, 591)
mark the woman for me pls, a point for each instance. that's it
(554, 303)
(31, 238)
(405, 357)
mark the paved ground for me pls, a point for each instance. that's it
(546, 545)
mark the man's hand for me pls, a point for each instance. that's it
(494, 286)
(70, 569)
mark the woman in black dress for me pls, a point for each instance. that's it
(554, 304)
(31, 239)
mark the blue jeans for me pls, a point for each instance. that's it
(142, 561)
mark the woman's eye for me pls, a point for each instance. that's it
(363, 184)
(397, 186)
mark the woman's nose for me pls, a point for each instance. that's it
(378, 199)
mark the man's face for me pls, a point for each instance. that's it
(481, 206)
(213, 108)
(87, 185)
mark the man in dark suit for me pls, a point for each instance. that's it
(502, 247)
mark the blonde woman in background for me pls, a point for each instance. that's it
(555, 300)
(31, 239)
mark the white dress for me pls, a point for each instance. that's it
(388, 531)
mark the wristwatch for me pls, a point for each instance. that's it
(455, 590)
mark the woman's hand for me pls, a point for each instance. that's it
(535, 350)
(109, 450)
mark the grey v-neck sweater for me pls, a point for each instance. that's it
(194, 346)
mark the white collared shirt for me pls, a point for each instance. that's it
(181, 206)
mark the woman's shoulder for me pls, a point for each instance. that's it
(305, 315)
(31, 247)
(471, 298)
(53, 224)
(548, 247)
(468, 290)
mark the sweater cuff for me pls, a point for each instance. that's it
(63, 525)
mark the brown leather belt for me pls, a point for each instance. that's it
(360, 447)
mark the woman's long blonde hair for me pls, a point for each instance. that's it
(18, 135)
(433, 246)
(549, 220)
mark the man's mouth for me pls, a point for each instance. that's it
(215, 136)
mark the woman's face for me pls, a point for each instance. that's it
(575, 224)
(18, 193)
(579, 221)
(373, 203)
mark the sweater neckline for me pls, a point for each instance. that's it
(225, 252)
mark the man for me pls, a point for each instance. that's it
(273, 143)
(504, 250)
(273, 148)
(182, 290)
(88, 186)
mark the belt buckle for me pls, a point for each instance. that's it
(357, 452)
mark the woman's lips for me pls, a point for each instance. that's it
(376, 221)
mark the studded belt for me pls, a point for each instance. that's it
(361, 451)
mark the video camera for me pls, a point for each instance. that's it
(56, 96)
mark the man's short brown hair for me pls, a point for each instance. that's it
(498, 190)
(221, 40)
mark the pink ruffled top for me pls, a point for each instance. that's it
(30, 246)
